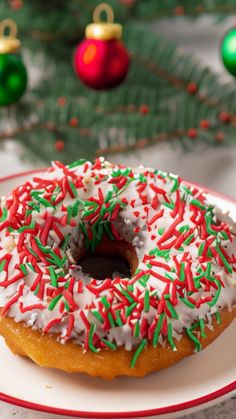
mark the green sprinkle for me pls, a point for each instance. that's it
(189, 239)
(98, 316)
(69, 213)
(67, 307)
(187, 302)
(138, 352)
(208, 270)
(182, 273)
(90, 338)
(130, 287)
(77, 163)
(144, 279)
(2, 264)
(125, 293)
(224, 235)
(54, 302)
(118, 318)
(137, 329)
(218, 317)
(171, 205)
(209, 253)
(187, 190)
(75, 209)
(224, 260)
(43, 201)
(111, 320)
(146, 301)
(74, 190)
(4, 215)
(53, 276)
(196, 341)
(55, 260)
(37, 290)
(198, 204)
(65, 242)
(172, 310)
(217, 294)
(176, 184)
(167, 275)
(31, 266)
(22, 268)
(129, 309)
(170, 336)
(32, 252)
(108, 196)
(158, 330)
(28, 227)
(109, 344)
(105, 303)
(208, 219)
(183, 229)
(161, 231)
(202, 327)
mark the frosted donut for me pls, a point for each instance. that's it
(179, 293)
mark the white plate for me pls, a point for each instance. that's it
(196, 382)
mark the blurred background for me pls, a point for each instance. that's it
(175, 109)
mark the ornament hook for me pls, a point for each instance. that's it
(11, 26)
(103, 7)
(8, 37)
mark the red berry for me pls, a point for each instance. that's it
(204, 124)
(192, 88)
(142, 142)
(127, 3)
(192, 133)
(224, 117)
(144, 109)
(220, 136)
(16, 4)
(59, 145)
(61, 101)
(73, 122)
(179, 11)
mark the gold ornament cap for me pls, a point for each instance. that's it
(103, 31)
(8, 37)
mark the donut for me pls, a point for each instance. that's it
(111, 270)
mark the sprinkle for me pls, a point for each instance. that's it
(224, 260)
(170, 337)
(90, 338)
(109, 344)
(138, 352)
(146, 301)
(54, 302)
(196, 341)
(53, 276)
(158, 330)
(172, 310)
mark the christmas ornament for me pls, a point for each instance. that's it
(101, 60)
(228, 51)
(13, 75)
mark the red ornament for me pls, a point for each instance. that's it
(101, 61)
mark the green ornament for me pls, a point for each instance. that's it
(13, 74)
(228, 51)
(13, 79)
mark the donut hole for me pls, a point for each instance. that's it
(109, 259)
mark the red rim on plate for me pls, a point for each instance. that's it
(230, 388)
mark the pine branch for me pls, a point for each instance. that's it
(166, 97)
